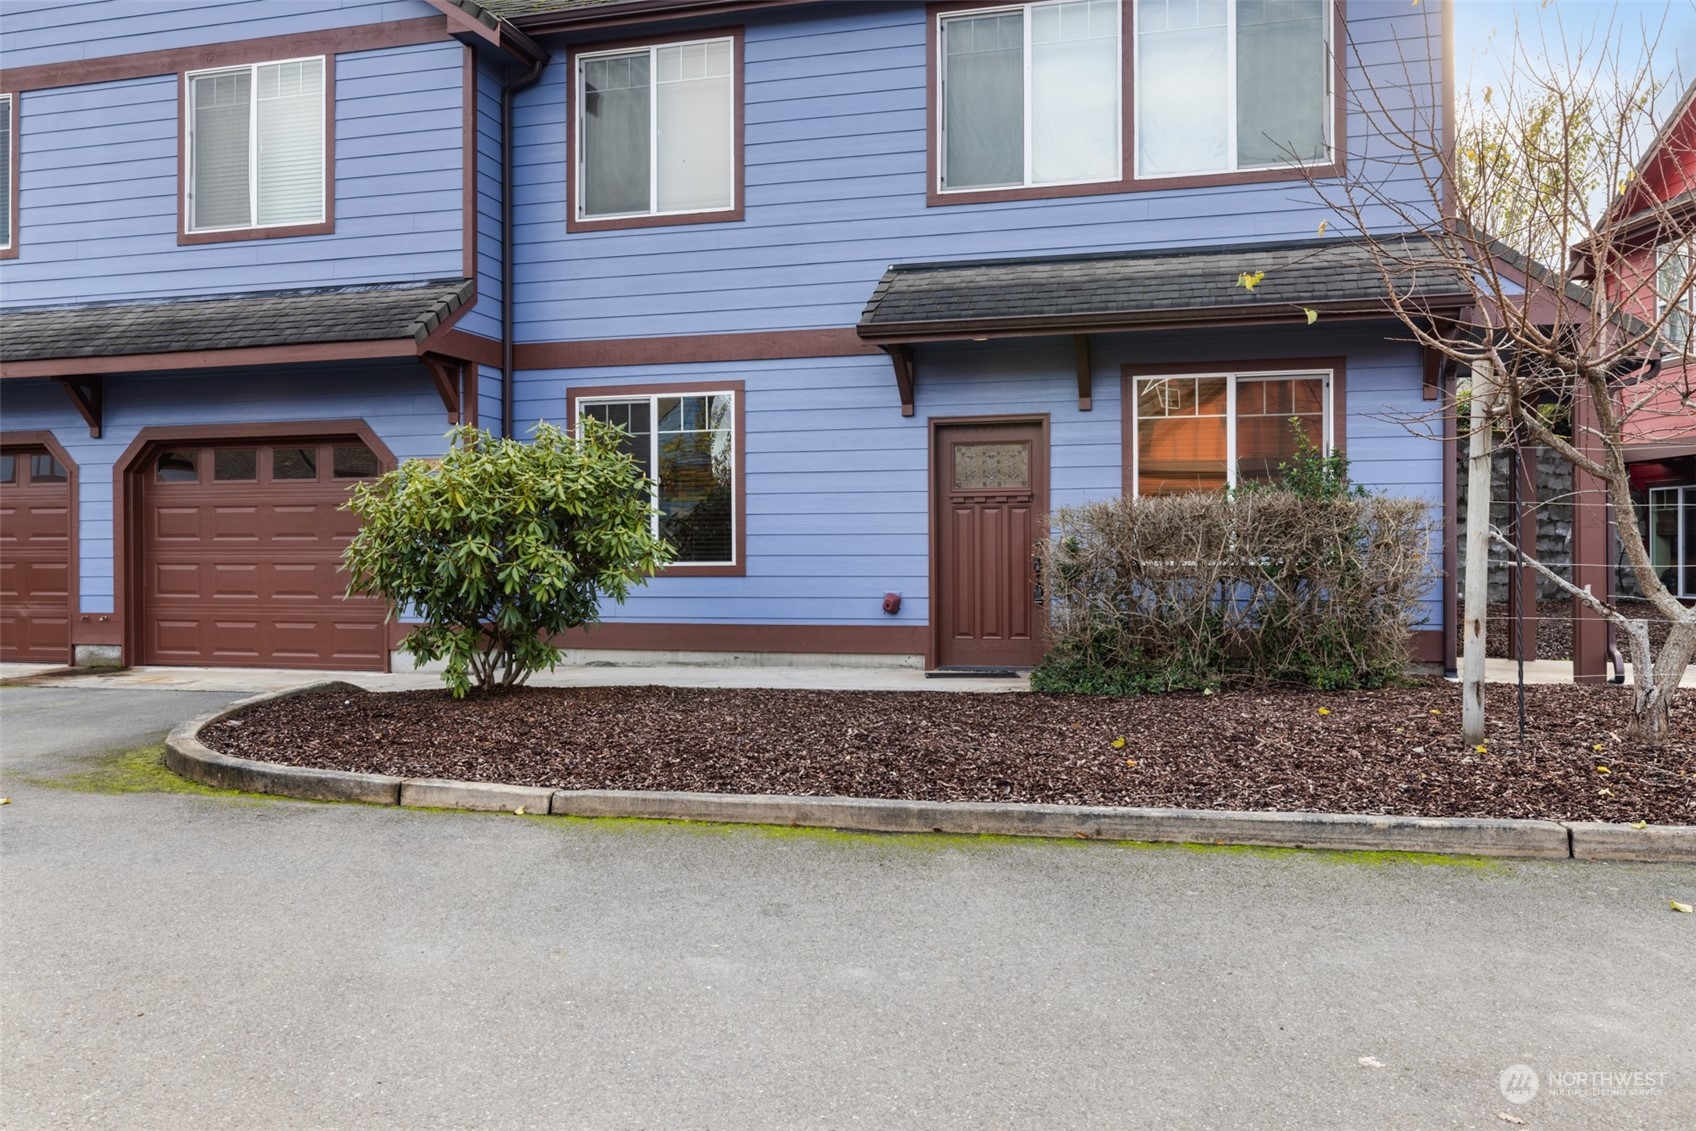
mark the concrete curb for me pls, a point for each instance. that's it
(1458, 836)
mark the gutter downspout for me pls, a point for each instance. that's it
(508, 89)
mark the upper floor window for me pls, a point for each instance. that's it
(1209, 431)
(1030, 95)
(1230, 85)
(1675, 297)
(656, 132)
(8, 168)
(256, 147)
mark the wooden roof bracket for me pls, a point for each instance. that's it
(1435, 362)
(88, 394)
(906, 372)
(1086, 371)
(448, 373)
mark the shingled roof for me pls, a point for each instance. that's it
(916, 301)
(364, 313)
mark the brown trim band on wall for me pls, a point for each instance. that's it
(1427, 646)
(762, 345)
(127, 493)
(15, 118)
(1127, 181)
(322, 227)
(826, 639)
(739, 492)
(175, 60)
(1129, 373)
(40, 438)
(737, 99)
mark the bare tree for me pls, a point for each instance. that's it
(1572, 338)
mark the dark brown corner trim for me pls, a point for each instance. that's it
(763, 345)
(13, 106)
(175, 60)
(41, 438)
(127, 472)
(826, 639)
(1127, 392)
(1127, 180)
(740, 493)
(725, 215)
(234, 235)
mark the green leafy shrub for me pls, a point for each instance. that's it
(501, 545)
(1308, 580)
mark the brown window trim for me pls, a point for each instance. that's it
(13, 98)
(738, 391)
(1128, 375)
(234, 235)
(1128, 181)
(737, 163)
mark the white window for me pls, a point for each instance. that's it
(1672, 538)
(5, 172)
(686, 444)
(1225, 86)
(1675, 303)
(256, 146)
(1030, 95)
(656, 130)
(1209, 431)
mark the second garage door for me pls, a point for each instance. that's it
(241, 557)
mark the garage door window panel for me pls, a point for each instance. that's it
(177, 467)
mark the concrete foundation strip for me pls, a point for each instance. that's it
(1462, 836)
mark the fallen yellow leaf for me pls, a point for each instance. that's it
(1481, 748)
(1603, 770)
(1119, 743)
(519, 810)
(1640, 824)
(1595, 746)
(1249, 281)
(1680, 907)
(1604, 792)
(1324, 710)
(1130, 763)
(1434, 711)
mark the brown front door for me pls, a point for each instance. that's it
(241, 557)
(991, 489)
(35, 557)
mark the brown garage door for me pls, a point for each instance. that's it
(35, 557)
(241, 547)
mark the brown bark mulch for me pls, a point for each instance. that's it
(1395, 751)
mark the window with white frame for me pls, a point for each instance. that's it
(1672, 538)
(6, 234)
(1030, 95)
(1675, 298)
(256, 146)
(656, 130)
(686, 444)
(1226, 86)
(1209, 431)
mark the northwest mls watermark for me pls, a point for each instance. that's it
(1520, 1083)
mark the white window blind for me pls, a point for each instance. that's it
(1224, 85)
(656, 130)
(1030, 96)
(5, 171)
(256, 146)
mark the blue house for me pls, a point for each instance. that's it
(873, 286)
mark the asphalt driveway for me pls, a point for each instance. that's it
(185, 959)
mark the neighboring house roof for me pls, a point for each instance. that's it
(364, 313)
(1127, 289)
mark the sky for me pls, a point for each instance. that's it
(1484, 29)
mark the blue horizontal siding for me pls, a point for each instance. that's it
(836, 481)
(98, 189)
(397, 401)
(834, 165)
(39, 32)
